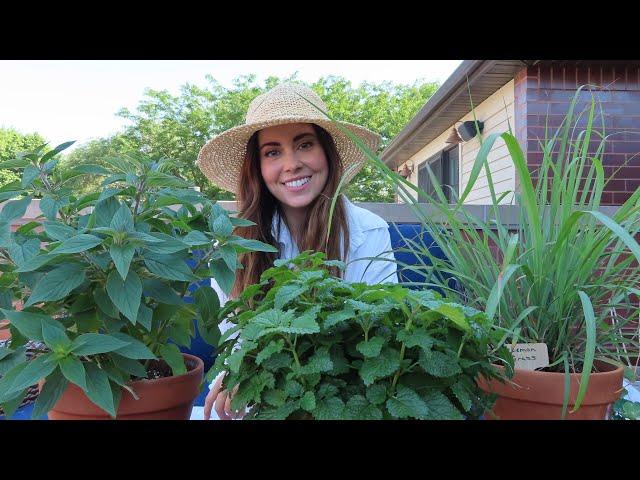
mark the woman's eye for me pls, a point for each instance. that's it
(305, 145)
(270, 153)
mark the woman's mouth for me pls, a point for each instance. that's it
(297, 184)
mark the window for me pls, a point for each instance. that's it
(444, 166)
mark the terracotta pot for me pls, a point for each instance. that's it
(5, 334)
(538, 395)
(168, 398)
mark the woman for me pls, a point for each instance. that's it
(285, 165)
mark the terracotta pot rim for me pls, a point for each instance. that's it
(158, 381)
(612, 369)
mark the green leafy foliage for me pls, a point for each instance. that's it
(102, 276)
(312, 346)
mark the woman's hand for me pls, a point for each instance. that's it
(221, 400)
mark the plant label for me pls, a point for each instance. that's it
(530, 356)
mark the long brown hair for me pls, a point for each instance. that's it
(256, 203)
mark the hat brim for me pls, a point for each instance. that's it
(221, 158)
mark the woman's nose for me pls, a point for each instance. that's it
(291, 161)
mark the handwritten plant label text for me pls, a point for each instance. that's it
(530, 356)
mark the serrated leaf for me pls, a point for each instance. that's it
(439, 364)
(440, 408)
(462, 393)
(305, 324)
(125, 295)
(57, 283)
(275, 346)
(122, 256)
(58, 231)
(372, 347)
(99, 389)
(308, 402)
(287, 293)
(161, 292)
(251, 390)
(229, 256)
(50, 206)
(407, 404)
(274, 397)
(104, 211)
(196, 238)
(416, 338)
(29, 174)
(145, 317)
(134, 349)
(171, 354)
(293, 388)
(22, 249)
(223, 275)
(36, 369)
(78, 243)
(377, 393)
(319, 362)
(359, 408)
(379, 367)
(222, 226)
(455, 314)
(14, 209)
(337, 317)
(331, 408)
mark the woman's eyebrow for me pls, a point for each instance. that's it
(295, 139)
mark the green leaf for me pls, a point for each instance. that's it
(52, 153)
(377, 393)
(229, 256)
(22, 249)
(275, 346)
(105, 304)
(274, 397)
(54, 336)
(145, 317)
(374, 368)
(129, 366)
(134, 349)
(95, 343)
(196, 238)
(250, 391)
(122, 221)
(169, 267)
(50, 206)
(331, 408)
(293, 388)
(161, 292)
(171, 354)
(164, 244)
(208, 303)
(308, 401)
(319, 362)
(252, 245)
(104, 211)
(407, 404)
(241, 222)
(222, 226)
(125, 295)
(14, 209)
(440, 408)
(99, 389)
(439, 364)
(416, 338)
(36, 369)
(13, 358)
(340, 316)
(58, 231)
(287, 293)
(305, 324)
(52, 390)
(74, 371)
(27, 323)
(221, 273)
(79, 243)
(461, 391)
(29, 174)
(358, 408)
(372, 347)
(122, 256)
(58, 283)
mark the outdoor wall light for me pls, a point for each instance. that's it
(467, 130)
(406, 170)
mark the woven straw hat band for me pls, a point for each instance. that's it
(221, 158)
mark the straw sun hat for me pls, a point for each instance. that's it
(221, 158)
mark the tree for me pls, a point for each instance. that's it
(12, 142)
(176, 127)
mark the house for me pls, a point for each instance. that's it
(523, 95)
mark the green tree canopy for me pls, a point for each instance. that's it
(176, 127)
(12, 142)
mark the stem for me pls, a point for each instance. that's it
(402, 349)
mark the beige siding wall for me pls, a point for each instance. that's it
(497, 112)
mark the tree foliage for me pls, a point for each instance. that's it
(177, 126)
(12, 142)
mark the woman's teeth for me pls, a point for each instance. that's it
(298, 183)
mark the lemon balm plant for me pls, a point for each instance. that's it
(309, 345)
(101, 277)
(567, 275)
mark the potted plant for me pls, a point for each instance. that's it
(306, 345)
(102, 279)
(566, 276)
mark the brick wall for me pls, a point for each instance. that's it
(542, 97)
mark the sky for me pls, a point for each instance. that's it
(78, 99)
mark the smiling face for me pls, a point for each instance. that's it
(293, 164)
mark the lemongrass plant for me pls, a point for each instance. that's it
(567, 275)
